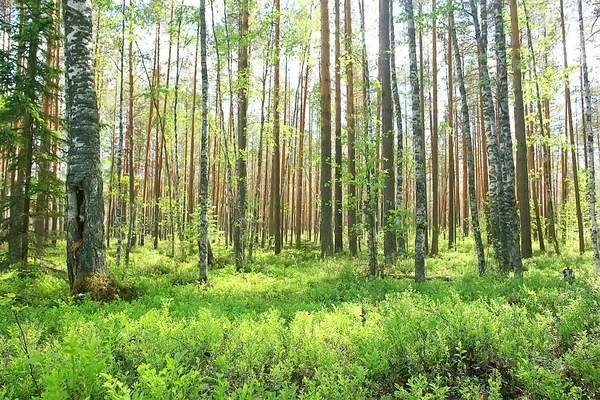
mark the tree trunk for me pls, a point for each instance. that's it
(86, 253)
(243, 76)
(276, 166)
(508, 204)
(338, 228)
(421, 200)
(399, 231)
(351, 127)
(451, 173)
(435, 225)
(387, 134)
(495, 184)
(131, 236)
(326, 193)
(546, 153)
(470, 160)
(569, 122)
(523, 171)
(203, 244)
(590, 141)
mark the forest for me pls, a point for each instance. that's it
(255, 199)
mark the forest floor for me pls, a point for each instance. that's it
(293, 326)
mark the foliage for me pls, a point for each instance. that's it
(297, 327)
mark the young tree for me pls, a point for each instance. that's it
(590, 140)
(86, 253)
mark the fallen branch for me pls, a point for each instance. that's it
(429, 278)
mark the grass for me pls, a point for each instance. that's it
(292, 326)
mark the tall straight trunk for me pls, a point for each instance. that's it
(192, 162)
(132, 202)
(421, 200)
(387, 133)
(119, 150)
(399, 231)
(276, 166)
(590, 140)
(465, 186)
(176, 189)
(435, 225)
(86, 253)
(522, 170)
(569, 112)
(228, 186)
(495, 184)
(326, 192)
(203, 244)
(546, 152)
(470, 159)
(351, 127)
(243, 76)
(451, 176)
(338, 135)
(300, 171)
(508, 206)
(370, 207)
(18, 240)
(258, 191)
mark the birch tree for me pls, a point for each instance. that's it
(86, 254)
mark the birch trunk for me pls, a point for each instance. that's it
(86, 254)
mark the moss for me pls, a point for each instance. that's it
(101, 287)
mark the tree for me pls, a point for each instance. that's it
(276, 172)
(326, 193)
(351, 126)
(203, 245)
(569, 128)
(546, 152)
(338, 134)
(421, 201)
(387, 133)
(522, 170)
(86, 255)
(435, 225)
(469, 141)
(508, 203)
(495, 185)
(243, 79)
(589, 133)
(400, 239)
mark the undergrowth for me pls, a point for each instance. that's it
(292, 326)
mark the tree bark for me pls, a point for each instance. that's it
(590, 141)
(351, 127)
(203, 244)
(421, 200)
(387, 134)
(469, 141)
(326, 192)
(86, 253)
(338, 242)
